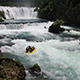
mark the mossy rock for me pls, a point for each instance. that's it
(58, 22)
(55, 27)
(2, 15)
(1, 19)
(11, 70)
(35, 68)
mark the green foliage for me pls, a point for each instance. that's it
(11, 70)
(66, 10)
(5, 79)
(36, 9)
(15, 78)
(2, 75)
(58, 22)
(36, 68)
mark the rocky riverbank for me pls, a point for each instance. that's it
(11, 70)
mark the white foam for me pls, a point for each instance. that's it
(57, 59)
(18, 12)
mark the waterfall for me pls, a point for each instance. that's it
(18, 12)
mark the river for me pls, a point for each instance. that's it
(58, 55)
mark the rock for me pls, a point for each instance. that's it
(35, 70)
(55, 27)
(67, 30)
(1, 19)
(36, 73)
(45, 27)
(36, 9)
(6, 41)
(11, 70)
(1, 54)
(2, 16)
(12, 18)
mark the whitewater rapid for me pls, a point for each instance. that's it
(57, 55)
(18, 12)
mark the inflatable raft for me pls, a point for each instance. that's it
(30, 51)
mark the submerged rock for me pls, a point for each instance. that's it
(55, 27)
(6, 41)
(36, 73)
(35, 70)
(11, 70)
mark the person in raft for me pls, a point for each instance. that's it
(30, 48)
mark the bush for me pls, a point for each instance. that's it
(58, 22)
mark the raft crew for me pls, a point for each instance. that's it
(30, 48)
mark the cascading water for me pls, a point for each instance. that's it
(18, 12)
(57, 55)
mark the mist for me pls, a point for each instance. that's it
(28, 3)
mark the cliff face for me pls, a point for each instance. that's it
(11, 70)
(67, 10)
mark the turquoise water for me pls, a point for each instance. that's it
(57, 55)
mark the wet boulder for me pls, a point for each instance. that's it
(6, 41)
(2, 16)
(11, 70)
(1, 19)
(36, 73)
(1, 54)
(55, 27)
(35, 70)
